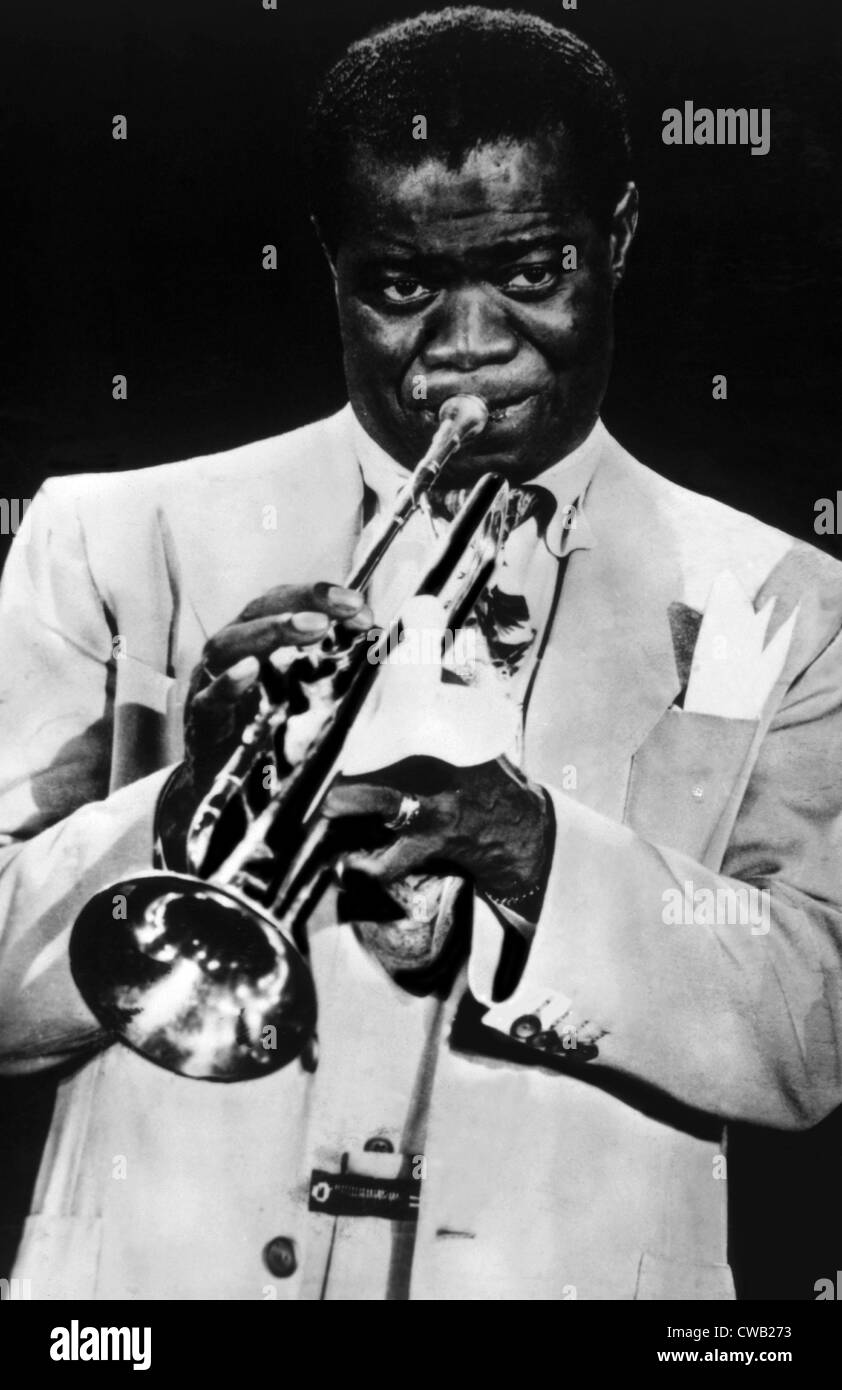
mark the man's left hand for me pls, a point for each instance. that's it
(490, 823)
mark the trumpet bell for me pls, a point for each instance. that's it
(193, 977)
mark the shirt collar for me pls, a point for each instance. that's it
(567, 481)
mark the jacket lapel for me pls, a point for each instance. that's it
(609, 671)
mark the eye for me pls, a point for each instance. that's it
(405, 290)
(533, 278)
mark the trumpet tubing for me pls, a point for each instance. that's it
(205, 973)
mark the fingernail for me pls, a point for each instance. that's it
(309, 622)
(347, 599)
(358, 863)
(247, 669)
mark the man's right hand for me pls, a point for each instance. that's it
(223, 686)
(223, 692)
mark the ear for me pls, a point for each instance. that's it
(623, 228)
(327, 254)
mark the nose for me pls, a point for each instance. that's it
(467, 333)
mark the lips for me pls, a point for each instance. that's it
(505, 410)
(500, 408)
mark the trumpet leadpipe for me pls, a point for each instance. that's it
(461, 418)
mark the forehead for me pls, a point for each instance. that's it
(506, 188)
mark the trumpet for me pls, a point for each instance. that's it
(205, 972)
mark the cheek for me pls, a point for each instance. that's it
(369, 338)
(573, 328)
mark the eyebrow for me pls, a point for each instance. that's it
(513, 247)
(508, 249)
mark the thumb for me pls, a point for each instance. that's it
(393, 861)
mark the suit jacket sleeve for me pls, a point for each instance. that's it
(743, 1021)
(62, 835)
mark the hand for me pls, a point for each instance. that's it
(488, 822)
(223, 691)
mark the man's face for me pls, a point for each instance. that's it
(454, 281)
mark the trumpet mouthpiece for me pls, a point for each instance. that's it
(460, 419)
(467, 414)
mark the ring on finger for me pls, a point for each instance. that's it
(405, 814)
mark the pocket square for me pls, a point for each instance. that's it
(733, 671)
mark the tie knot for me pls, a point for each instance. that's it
(524, 502)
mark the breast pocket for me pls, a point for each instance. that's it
(686, 776)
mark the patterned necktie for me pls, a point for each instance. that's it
(524, 502)
(502, 618)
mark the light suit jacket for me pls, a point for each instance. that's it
(540, 1182)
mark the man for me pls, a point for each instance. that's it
(558, 1099)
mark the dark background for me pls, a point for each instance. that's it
(144, 257)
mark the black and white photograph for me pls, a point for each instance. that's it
(421, 662)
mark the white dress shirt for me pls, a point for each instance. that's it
(528, 563)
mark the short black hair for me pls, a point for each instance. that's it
(476, 75)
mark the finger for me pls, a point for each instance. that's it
(262, 636)
(234, 682)
(408, 853)
(361, 799)
(362, 621)
(212, 714)
(347, 607)
(231, 685)
(333, 600)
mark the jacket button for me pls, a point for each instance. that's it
(309, 1056)
(279, 1257)
(378, 1145)
(526, 1027)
